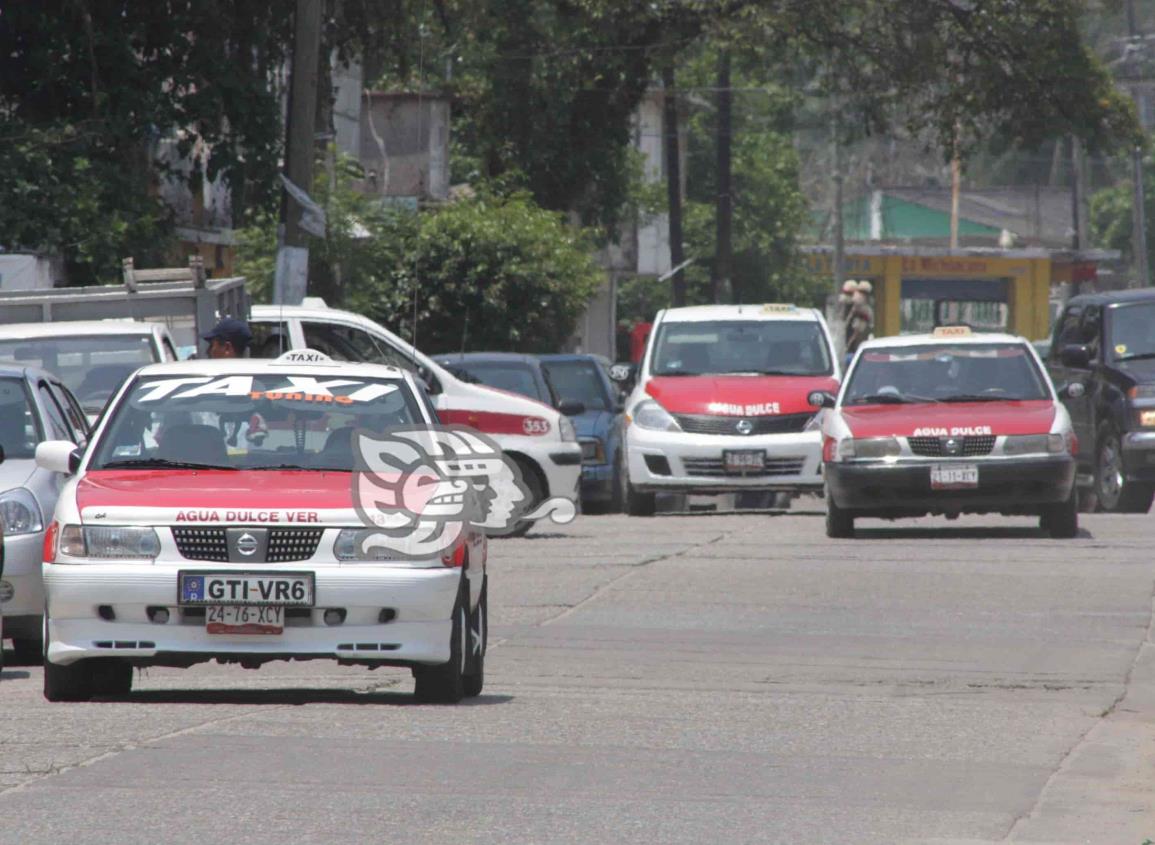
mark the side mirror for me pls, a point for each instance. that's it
(1075, 355)
(432, 385)
(820, 399)
(571, 407)
(1074, 390)
(58, 456)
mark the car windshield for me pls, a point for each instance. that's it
(754, 347)
(943, 373)
(92, 366)
(1131, 331)
(579, 381)
(19, 425)
(242, 421)
(504, 375)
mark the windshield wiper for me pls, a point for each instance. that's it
(159, 463)
(679, 373)
(1138, 356)
(981, 397)
(889, 399)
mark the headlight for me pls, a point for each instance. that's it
(1147, 418)
(592, 452)
(649, 414)
(1033, 444)
(109, 542)
(869, 447)
(349, 545)
(568, 435)
(20, 512)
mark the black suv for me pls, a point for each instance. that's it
(1102, 360)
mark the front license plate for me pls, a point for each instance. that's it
(743, 460)
(954, 476)
(244, 619)
(286, 589)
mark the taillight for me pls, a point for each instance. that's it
(49, 553)
(1072, 443)
(455, 554)
(829, 444)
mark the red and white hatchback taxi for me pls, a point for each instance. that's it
(721, 403)
(214, 517)
(949, 423)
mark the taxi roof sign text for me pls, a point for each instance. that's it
(952, 331)
(304, 356)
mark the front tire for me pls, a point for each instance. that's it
(1061, 520)
(68, 683)
(477, 642)
(839, 522)
(535, 489)
(1114, 492)
(635, 502)
(445, 684)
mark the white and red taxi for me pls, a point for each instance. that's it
(213, 516)
(538, 437)
(721, 402)
(948, 423)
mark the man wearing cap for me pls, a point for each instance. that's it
(229, 338)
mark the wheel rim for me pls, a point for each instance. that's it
(1110, 473)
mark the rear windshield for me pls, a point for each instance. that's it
(942, 373)
(578, 381)
(93, 366)
(262, 421)
(754, 347)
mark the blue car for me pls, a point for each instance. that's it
(579, 386)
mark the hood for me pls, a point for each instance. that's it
(224, 497)
(16, 472)
(956, 419)
(737, 396)
(1143, 371)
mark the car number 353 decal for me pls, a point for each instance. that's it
(535, 426)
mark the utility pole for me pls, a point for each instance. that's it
(293, 252)
(673, 182)
(838, 261)
(1139, 200)
(720, 281)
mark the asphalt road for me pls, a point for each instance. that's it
(708, 678)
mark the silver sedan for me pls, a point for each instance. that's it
(34, 406)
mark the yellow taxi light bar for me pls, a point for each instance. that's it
(778, 308)
(952, 331)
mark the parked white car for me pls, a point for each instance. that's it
(34, 406)
(92, 357)
(540, 438)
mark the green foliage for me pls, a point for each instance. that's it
(492, 272)
(84, 94)
(768, 207)
(1111, 215)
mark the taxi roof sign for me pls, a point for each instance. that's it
(778, 308)
(304, 356)
(952, 331)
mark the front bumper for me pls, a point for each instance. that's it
(422, 599)
(694, 461)
(902, 488)
(22, 556)
(560, 465)
(1139, 456)
(597, 482)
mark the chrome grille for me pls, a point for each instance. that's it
(714, 468)
(201, 543)
(716, 424)
(935, 447)
(286, 544)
